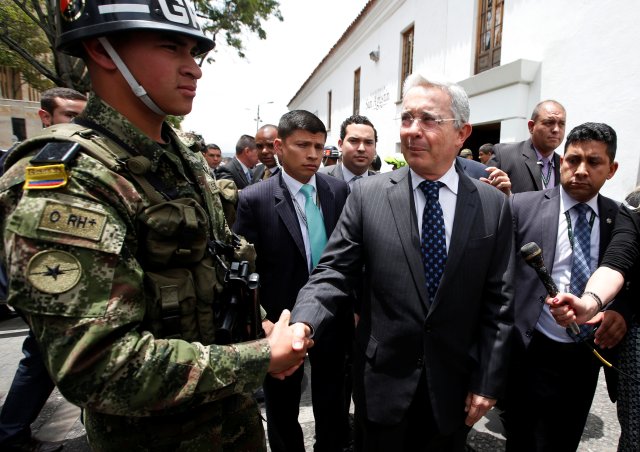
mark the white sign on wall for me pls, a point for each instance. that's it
(377, 99)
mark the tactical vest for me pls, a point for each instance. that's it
(184, 275)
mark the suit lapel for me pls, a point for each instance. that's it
(287, 212)
(327, 204)
(240, 172)
(549, 214)
(556, 168)
(467, 202)
(337, 171)
(400, 195)
(531, 161)
(607, 210)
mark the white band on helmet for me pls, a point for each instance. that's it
(137, 89)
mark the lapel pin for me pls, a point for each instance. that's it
(609, 221)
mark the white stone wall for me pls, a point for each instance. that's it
(17, 109)
(579, 52)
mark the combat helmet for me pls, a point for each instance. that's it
(82, 19)
(331, 152)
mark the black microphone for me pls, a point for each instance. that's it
(532, 255)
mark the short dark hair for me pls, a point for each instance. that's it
(376, 164)
(48, 97)
(300, 120)
(213, 146)
(536, 109)
(357, 119)
(594, 131)
(486, 148)
(245, 141)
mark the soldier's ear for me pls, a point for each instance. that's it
(96, 53)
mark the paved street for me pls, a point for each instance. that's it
(60, 421)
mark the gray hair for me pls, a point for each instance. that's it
(632, 200)
(459, 99)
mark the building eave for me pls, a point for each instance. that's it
(348, 32)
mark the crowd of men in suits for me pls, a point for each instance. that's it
(448, 318)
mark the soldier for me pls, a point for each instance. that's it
(32, 386)
(116, 246)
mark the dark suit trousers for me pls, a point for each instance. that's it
(417, 432)
(29, 392)
(282, 400)
(282, 397)
(550, 391)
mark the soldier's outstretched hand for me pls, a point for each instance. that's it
(285, 359)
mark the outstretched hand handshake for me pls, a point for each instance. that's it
(289, 344)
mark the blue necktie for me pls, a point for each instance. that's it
(315, 225)
(581, 262)
(433, 246)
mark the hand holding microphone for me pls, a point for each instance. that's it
(532, 254)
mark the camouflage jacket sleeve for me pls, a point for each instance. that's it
(70, 255)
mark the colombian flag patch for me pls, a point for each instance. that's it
(45, 177)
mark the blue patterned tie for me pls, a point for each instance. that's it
(315, 225)
(581, 262)
(433, 246)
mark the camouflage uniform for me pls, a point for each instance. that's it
(78, 270)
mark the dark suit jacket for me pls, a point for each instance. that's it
(267, 218)
(535, 219)
(336, 171)
(233, 171)
(520, 162)
(259, 170)
(471, 168)
(460, 342)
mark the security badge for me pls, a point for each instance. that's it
(53, 271)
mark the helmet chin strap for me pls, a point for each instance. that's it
(137, 89)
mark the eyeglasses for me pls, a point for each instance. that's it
(426, 121)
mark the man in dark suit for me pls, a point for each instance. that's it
(265, 137)
(553, 378)
(274, 215)
(477, 170)
(240, 168)
(213, 155)
(532, 164)
(357, 144)
(432, 339)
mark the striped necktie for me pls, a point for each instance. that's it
(581, 262)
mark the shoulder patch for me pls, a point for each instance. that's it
(72, 220)
(67, 220)
(45, 177)
(54, 271)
